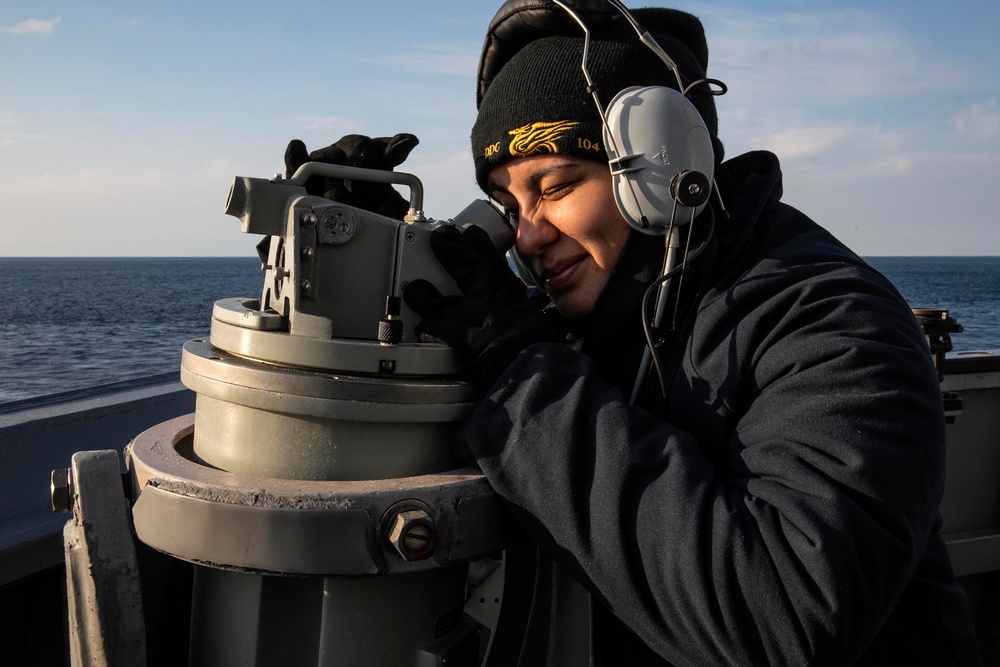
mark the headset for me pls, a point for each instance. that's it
(659, 148)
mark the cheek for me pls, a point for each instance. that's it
(610, 240)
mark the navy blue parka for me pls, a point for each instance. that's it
(780, 505)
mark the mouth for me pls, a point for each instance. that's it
(559, 275)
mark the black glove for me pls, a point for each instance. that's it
(356, 150)
(492, 320)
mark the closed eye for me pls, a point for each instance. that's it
(559, 191)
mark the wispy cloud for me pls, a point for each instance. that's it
(979, 121)
(90, 199)
(9, 132)
(847, 87)
(833, 58)
(32, 27)
(834, 142)
(430, 59)
(325, 123)
(796, 143)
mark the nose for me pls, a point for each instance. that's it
(534, 232)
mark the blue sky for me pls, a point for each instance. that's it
(123, 123)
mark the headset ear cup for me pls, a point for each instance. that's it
(655, 138)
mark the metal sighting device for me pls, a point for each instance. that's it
(314, 488)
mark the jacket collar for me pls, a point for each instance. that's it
(750, 185)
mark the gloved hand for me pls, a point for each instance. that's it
(492, 320)
(356, 150)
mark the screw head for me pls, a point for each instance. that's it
(413, 534)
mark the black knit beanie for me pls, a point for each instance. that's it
(538, 102)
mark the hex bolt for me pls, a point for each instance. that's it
(61, 488)
(413, 534)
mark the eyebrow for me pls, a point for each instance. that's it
(535, 178)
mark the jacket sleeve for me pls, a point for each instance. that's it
(794, 546)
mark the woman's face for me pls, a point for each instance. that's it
(569, 228)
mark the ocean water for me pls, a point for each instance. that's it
(968, 287)
(73, 323)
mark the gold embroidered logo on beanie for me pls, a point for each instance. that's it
(538, 138)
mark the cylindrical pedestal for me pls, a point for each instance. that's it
(306, 571)
(291, 423)
(243, 619)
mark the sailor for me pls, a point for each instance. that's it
(774, 500)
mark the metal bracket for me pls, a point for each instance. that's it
(106, 624)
